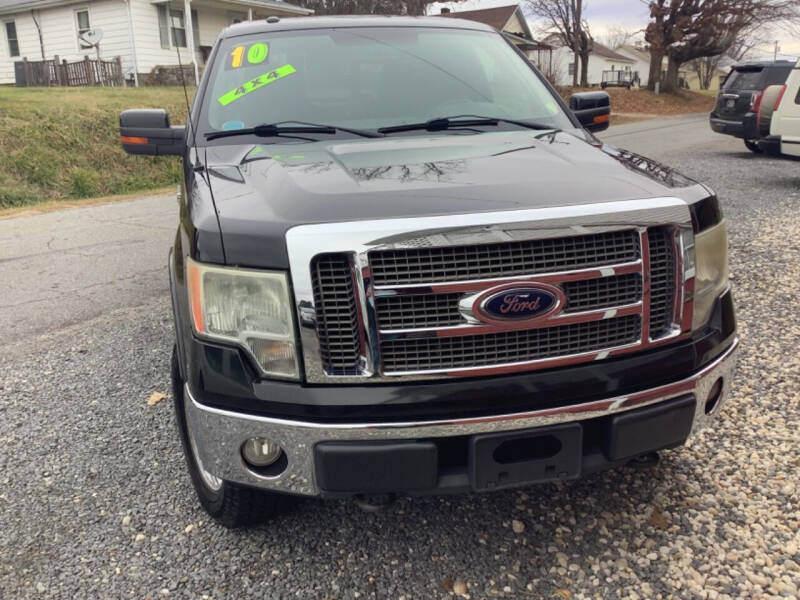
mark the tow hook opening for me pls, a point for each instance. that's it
(374, 502)
(645, 461)
(714, 396)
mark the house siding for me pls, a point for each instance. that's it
(643, 66)
(60, 35)
(563, 56)
(515, 26)
(28, 45)
(211, 20)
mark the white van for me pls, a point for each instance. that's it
(779, 119)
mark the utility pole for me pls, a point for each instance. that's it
(775, 57)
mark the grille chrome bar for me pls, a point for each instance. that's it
(489, 261)
(485, 329)
(605, 295)
(476, 285)
(586, 300)
(447, 355)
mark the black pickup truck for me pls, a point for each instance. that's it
(405, 266)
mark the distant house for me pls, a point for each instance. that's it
(640, 58)
(692, 80)
(687, 76)
(510, 21)
(144, 33)
(601, 59)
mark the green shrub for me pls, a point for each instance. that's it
(83, 183)
(12, 197)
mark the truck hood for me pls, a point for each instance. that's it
(261, 191)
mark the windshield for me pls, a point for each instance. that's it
(374, 77)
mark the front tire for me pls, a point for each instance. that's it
(753, 146)
(231, 504)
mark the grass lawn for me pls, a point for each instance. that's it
(63, 143)
(645, 102)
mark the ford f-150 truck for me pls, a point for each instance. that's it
(405, 266)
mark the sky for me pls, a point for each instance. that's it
(628, 14)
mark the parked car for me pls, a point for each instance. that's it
(779, 117)
(489, 296)
(734, 113)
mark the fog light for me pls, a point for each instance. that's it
(260, 452)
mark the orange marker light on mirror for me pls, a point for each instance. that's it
(133, 140)
(601, 119)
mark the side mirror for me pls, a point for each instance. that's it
(147, 131)
(593, 110)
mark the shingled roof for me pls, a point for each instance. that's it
(494, 17)
(609, 53)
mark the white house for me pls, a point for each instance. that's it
(601, 59)
(144, 33)
(686, 75)
(510, 21)
(640, 58)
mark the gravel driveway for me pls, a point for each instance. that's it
(95, 502)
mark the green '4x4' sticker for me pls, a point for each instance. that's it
(254, 84)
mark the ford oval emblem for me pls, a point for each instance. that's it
(518, 303)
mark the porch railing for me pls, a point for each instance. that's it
(55, 72)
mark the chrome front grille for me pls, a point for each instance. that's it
(475, 351)
(398, 299)
(487, 261)
(662, 280)
(418, 310)
(414, 311)
(337, 319)
(592, 294)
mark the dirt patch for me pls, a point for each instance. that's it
(645, 102)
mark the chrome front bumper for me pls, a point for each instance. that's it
(219, 434)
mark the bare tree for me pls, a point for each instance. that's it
(707, 66)
(617, 36)
(35, 16)
(684, 30)
(565, 18)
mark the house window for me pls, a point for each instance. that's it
(11, 34)
(571, 68)
(178, 27)
(82, 22)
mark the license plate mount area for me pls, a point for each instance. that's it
(502, 460)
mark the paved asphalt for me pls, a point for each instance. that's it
(95, 502)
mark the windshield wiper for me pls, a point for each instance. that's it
(442, 123)
(277, 129)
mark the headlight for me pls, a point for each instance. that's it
(711, 271)
(248, 308)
